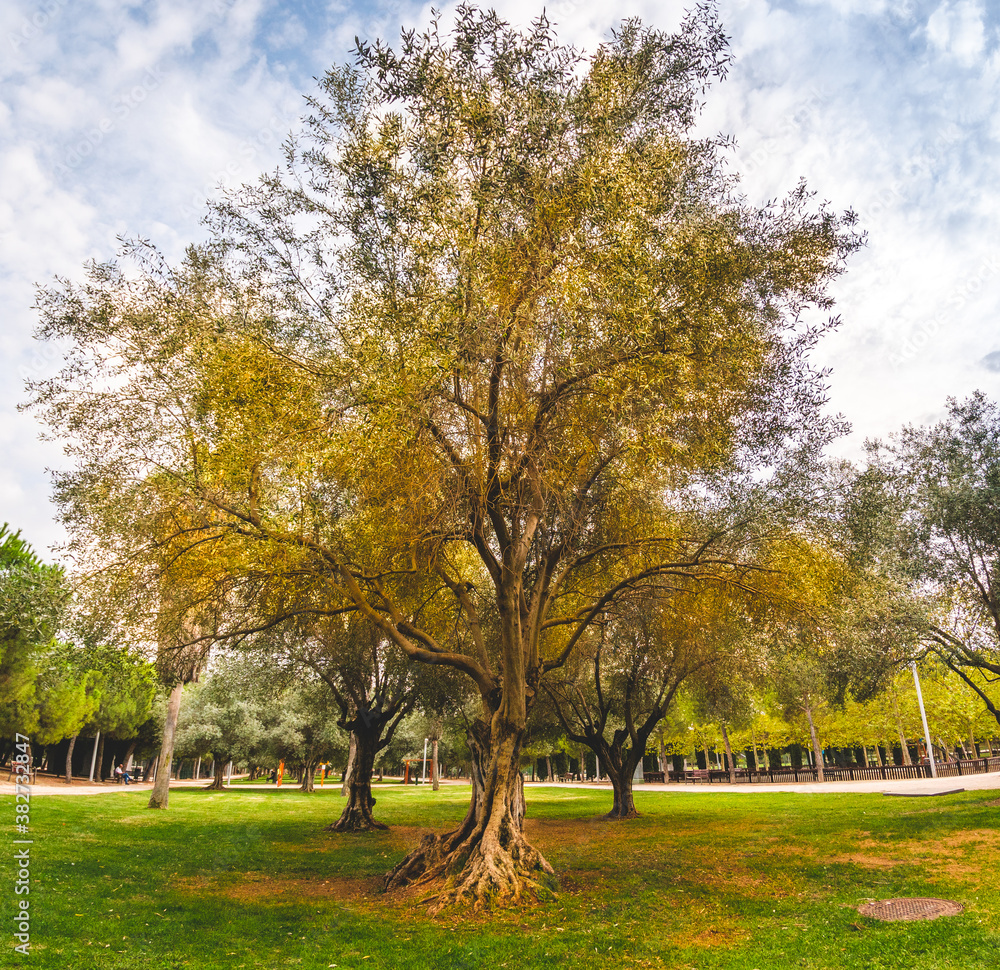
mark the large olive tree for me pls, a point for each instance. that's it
(456, 369)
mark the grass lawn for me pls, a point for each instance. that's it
(248, 878)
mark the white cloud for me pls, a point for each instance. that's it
(42, 228)
(56, 104)
(957, 28)
(142, 45)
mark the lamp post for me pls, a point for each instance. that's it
(923, 717)
(93, 757)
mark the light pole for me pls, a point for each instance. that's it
(923, 717)
(93, 757)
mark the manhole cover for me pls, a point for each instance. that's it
(894, 910)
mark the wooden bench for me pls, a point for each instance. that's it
(698, 774)
(653, 776)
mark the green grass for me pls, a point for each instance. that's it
(249, 879)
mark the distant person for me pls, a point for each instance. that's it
(118, 773)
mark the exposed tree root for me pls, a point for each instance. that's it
(620, 816)
(357, 815)
(356, 822)
(484, 862)
(474, 873)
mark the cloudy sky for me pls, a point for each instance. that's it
(121, 118)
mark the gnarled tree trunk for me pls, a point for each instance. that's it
(487, 858)
(308, 777)
(218, 778)
(357, 815)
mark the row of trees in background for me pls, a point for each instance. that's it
(61, 677)
(247, 714)
(886, 725)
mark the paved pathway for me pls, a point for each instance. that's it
(905, 786)
(51, 786)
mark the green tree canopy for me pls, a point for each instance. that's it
(939, 530)
(33, 599)
(222, 716)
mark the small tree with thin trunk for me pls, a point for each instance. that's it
(722, 693)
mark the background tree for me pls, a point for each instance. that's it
(841, 628)
(222, 716)
(545, 737)
(307, 733)
(956, 714)
(370, 683)
(33, 599)
(51, 688)
(944, 537)
(802, 687)
(127, 685)
(69, 695)
(723, 693)
(614, 695)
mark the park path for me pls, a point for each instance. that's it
(904, 786)
(907, 786)
(56, 786)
